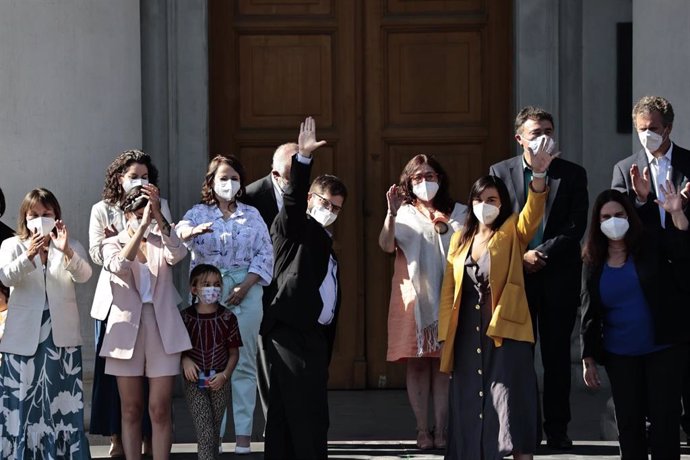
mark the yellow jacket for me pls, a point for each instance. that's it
(510, 318)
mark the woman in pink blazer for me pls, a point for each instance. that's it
(145, 335)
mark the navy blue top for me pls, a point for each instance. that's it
(628, 323)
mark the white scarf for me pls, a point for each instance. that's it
(425, 252)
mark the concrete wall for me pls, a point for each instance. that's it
(70, 100)
(602, 145)
(661, 59)
(82, 80)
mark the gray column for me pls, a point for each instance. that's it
(174, 38)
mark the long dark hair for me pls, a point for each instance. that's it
(113, 193)
(442, 201)
(471, 221)
(596, 248)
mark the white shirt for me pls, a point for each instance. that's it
(278, 193)
(329, 292)
(661, 167)
(144, 284)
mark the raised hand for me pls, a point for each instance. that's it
(673, 201)
(153, 194)
(37, 243)
(307, 137)
(394, 199)
(640, 182)
(147, 217)
(61, 240)
(541, 159)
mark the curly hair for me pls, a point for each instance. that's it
(113, 193)
(649, 104)
(442, 201)
(208, 197)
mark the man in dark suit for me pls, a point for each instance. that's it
(640, 175)
(266, 195)
(552, 262)
(298, 327)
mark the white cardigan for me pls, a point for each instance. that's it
(29, 289)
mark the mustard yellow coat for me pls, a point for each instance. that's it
(510, 318)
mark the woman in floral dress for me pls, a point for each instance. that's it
(233, 237)
(41, 390)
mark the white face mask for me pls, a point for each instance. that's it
(650, 140)
(549, 145)
(615, 228)
(209, 294)
(226, 189)
(425, 191)
(322, 215)
(129, 184)
(486, 213)
(41, 225)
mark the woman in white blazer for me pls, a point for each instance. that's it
(42, 407)
(129, 169)
(145, 335)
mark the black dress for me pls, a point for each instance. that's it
(493, 398)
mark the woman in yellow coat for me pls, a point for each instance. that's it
(485, 323)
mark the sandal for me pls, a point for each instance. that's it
(424, 440)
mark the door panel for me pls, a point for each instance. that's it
(272, 63)
(437, 81)
(385, 80)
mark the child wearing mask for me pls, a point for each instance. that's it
(209, 364)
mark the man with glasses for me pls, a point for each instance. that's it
(298, 327)
(552, 262)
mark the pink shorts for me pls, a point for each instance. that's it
(149, 357)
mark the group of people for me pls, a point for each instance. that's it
(144, 340)
(473, 287)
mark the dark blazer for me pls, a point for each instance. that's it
(565, 218)
(662, 265)
(5, 232)
(620, 180)
(260, 194)
(302, 249)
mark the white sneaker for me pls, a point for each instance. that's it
(239, 450)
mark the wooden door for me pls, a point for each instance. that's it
(437, 81)
(384, 79)
(272, 63)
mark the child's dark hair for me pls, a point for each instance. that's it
(200, 272)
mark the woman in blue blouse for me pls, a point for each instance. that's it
(634, 316)
(233, 237)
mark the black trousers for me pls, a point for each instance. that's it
(648, 386)
(297, 424)
(553, 318)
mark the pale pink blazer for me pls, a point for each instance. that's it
(125, 312)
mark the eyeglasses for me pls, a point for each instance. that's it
(328, 205)
(427, 176)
